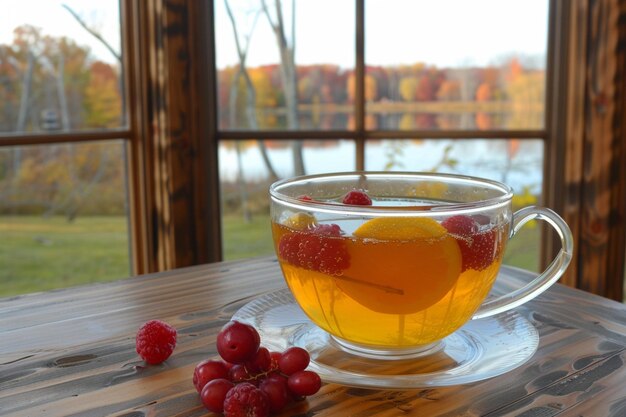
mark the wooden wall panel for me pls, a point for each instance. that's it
(182, 199)
(585, 161)
(602, 215)
(617, 215)
(566, 127)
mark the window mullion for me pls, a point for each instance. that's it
(359, 100)
(48, 139)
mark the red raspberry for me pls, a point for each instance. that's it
(316, 249)
(461, 225)
(357, 198)
(246, 400)
(289, 246)
(478, 249)
(485, 249)
(305, 197)
(327, 230)
(155, 341)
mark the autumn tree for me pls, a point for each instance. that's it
(407, 88)
(449, 90)
(483, 92)
(54, 83)
(370, 89)
(525, 90)
(103, 103)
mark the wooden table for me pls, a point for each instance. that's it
(72, 353)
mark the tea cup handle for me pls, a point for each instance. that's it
(544, 280)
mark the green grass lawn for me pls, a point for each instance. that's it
(245, 240)
(523, 250)
(39, 254)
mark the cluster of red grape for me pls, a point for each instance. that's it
(249, 380)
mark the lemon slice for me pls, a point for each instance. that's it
(301, 221)
(401, 265)
(400, 228)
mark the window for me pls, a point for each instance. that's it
(394, 85)
(63, 146)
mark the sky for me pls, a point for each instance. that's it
(446, 33)
(54, 20)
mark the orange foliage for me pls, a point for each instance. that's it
(425, 90)
(446, 121)
(425, 121)
(512, 147)
(370, 122)
(515, 69)
(102, 96)
(491, 75)
(483, 121)
(483, 92)
(371, 87)
(449, 90)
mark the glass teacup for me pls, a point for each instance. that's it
(395, 277)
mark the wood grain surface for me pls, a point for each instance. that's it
(72, 353)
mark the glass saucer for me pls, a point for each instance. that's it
(481, 349)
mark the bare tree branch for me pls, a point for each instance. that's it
(242, 71)
(267, 13)
(289, 76)
(93, 33)
(293, 27)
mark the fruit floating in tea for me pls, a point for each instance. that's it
(389, 281)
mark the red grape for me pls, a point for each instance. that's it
(214, 393)
(239, 373)
(238, 342)
(208, 370)
(251, 380)
(293, 360)
(261, 362)
(276, 391)
(304, 383)
(275, 357)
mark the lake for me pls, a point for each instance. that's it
(518, 163)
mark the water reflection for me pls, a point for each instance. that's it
(399, 120)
